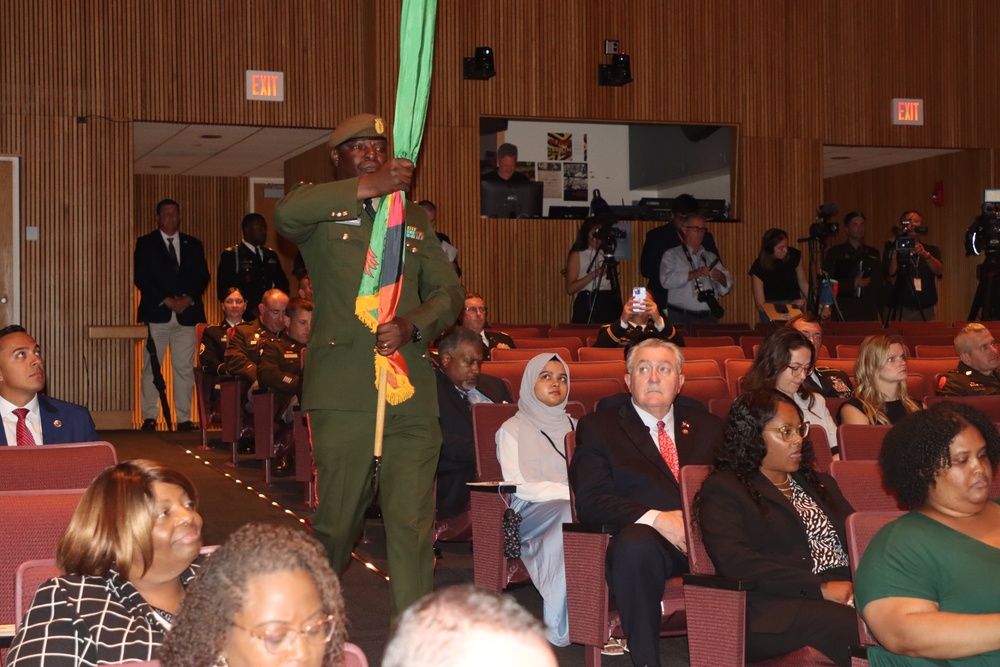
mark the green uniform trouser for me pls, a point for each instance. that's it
(342, 446)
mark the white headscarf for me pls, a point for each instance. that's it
(541, 416)
(540, 431)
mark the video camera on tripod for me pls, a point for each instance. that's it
(906, 237)
(608, 235)
(983, 236)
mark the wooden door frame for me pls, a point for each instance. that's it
(14, 290)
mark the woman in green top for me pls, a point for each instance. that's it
(929, 583)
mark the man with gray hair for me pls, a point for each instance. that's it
(625, 473)
(506, 170)
(460, 385)
(977, 373)
(465, 626)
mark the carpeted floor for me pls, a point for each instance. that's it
(230, 497)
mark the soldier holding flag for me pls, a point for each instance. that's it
(350, 261)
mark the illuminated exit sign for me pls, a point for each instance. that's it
(269, 86)
(907, 112)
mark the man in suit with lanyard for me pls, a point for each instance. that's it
(171, 274)
(30, 417)
(625, 473)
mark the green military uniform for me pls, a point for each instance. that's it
(280, 370)
(333, 230)
(965, 381)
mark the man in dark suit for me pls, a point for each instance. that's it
(250, 266)
(473, 318)
(460, 385)
(827, 382)
(31, 418)
(171, 274)
(625, 474)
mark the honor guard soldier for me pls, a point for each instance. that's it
(250, 266)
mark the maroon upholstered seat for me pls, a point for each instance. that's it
(54, 466)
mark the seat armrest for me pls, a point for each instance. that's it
(492, 487)
(720, 583)
(601, 528)
(859, 651)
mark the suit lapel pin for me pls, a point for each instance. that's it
(57, 424)
(685, 427)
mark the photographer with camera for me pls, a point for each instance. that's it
(695, 277)
(591, 272)
(912, 269)
(857, 268)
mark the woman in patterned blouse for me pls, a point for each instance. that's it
(765, 514)
(128, 555)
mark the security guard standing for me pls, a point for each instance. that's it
(250, 266)
(332, 223)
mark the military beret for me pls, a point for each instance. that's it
(363, 125)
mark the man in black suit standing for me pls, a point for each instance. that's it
(473, 318)
(250, 266)
(171, 274)
(460, 385)
(625, 473)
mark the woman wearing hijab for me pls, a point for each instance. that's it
(532, 454)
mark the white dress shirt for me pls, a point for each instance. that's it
(33, 419)
(177, 244)
(674, 269)
(654, 434)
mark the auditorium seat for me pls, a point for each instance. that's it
(71, 466)
(571, 343)
(988, 405)
(708, 341)
(924, 351)
(526, 354)
(861, 442)
(705, 389)
(861, 483)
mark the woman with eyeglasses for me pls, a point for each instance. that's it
(128, 556)
(880, 395)
(597, 301)
(777, 275)
(266, 598)
(766, 515)
(783, 362)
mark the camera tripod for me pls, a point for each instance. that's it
(610, 264)
(819, 281)
(905, 269)
(984, 302)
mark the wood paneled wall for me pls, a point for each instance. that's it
(883, 194)
(791, 75)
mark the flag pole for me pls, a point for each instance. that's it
(379, 428)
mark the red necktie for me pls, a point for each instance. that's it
(668, 450)
(22, 432)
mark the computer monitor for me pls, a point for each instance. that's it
(498, 199)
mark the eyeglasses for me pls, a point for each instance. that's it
(279, 639)
(788, 433)
(699, 230)
(475, 309)
(797, 370)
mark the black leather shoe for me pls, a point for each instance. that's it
(148, 425)
(187, 426)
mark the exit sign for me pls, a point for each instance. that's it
(907, 112)
(269, 86)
